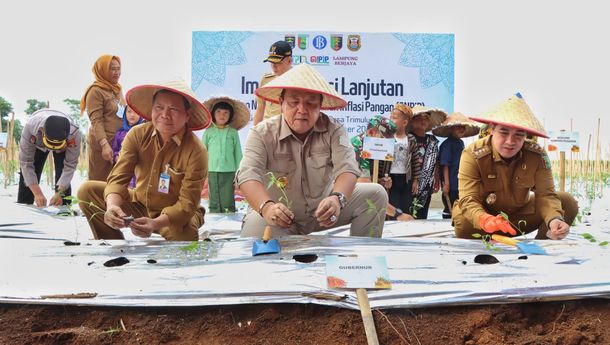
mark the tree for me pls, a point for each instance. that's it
(74, 106)
(6, 109)
(35, 105)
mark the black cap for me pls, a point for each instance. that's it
(56, 131)
(278, 51)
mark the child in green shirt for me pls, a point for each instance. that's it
(224, 150)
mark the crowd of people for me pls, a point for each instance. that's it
(298, 171)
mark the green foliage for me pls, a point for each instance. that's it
(371, 207)
(281, 183)
(6, 108)
(587, 236)
(487, 242)
(415, 206)
(74, 113)
(516, 227)
(35, 105)
(190, 247)
(75, 201)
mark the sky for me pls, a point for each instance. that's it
(552, 52)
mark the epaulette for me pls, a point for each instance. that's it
(480, 149)
(533, 147)
(269, 75)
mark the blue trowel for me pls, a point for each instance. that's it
(267, 245)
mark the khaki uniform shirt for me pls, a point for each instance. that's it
(488, 184)
(311, 166)
(102, 106)
(271, 109)
(144, 154)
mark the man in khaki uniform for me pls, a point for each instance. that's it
(280, 58)
(311, 157)
(505, 173)
(170, 165)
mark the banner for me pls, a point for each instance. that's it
(372, 71)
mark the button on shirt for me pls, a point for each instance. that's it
(310, 166)
(483, 172)
(31, 140)
(143, 152)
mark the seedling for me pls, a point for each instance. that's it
(487, 241)
(372, 208)
(587, 236)
(280, 183)
(415, 206)
(516, 227)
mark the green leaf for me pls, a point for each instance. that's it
(604, 243)
(190, 247)
(504, 215)
(476, 235)
(586, 235)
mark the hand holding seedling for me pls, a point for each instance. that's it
(113, 217)
(278, 214)
(328, 211)
(143, 226)
(491, 224)
(558, 229)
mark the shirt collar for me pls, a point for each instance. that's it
(177, 138)
(321, 126)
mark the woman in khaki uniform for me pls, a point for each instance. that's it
(101, 101)
(503, 172)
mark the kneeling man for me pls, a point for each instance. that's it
(170, 165)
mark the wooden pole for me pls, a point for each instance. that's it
(375, 176)
(562, 171)
(367, 316)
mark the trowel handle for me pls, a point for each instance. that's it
(267, 234)
(505, 240)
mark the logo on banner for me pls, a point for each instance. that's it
(353, 42)
(290, 39)
(336, 42)
(303, 41)
(319, 42)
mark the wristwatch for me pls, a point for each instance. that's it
(342, 199)
(398, 212)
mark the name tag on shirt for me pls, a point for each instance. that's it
(164, 183)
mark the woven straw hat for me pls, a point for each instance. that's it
(515, 113)
(304, 78)
(140, 99)
(456, 119)
(241, 113)
(437, 115)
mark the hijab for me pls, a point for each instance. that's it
(101, 71)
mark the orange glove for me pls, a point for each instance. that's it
(491, 224)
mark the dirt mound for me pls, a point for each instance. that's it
(570, 323)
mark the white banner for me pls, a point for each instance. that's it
(372, 71)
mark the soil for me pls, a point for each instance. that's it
(569, 322)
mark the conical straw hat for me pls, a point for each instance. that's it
(514, 113)
(241, 113)
(437, 115)
(140, 99)
(456, 119)
(302, 77)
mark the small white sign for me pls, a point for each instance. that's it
(563, 141)
(378, 148)
(357, 272)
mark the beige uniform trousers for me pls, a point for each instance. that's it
(364, 222)
(93, 191)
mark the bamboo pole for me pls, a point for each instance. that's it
(562, 171)
(596, 165)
